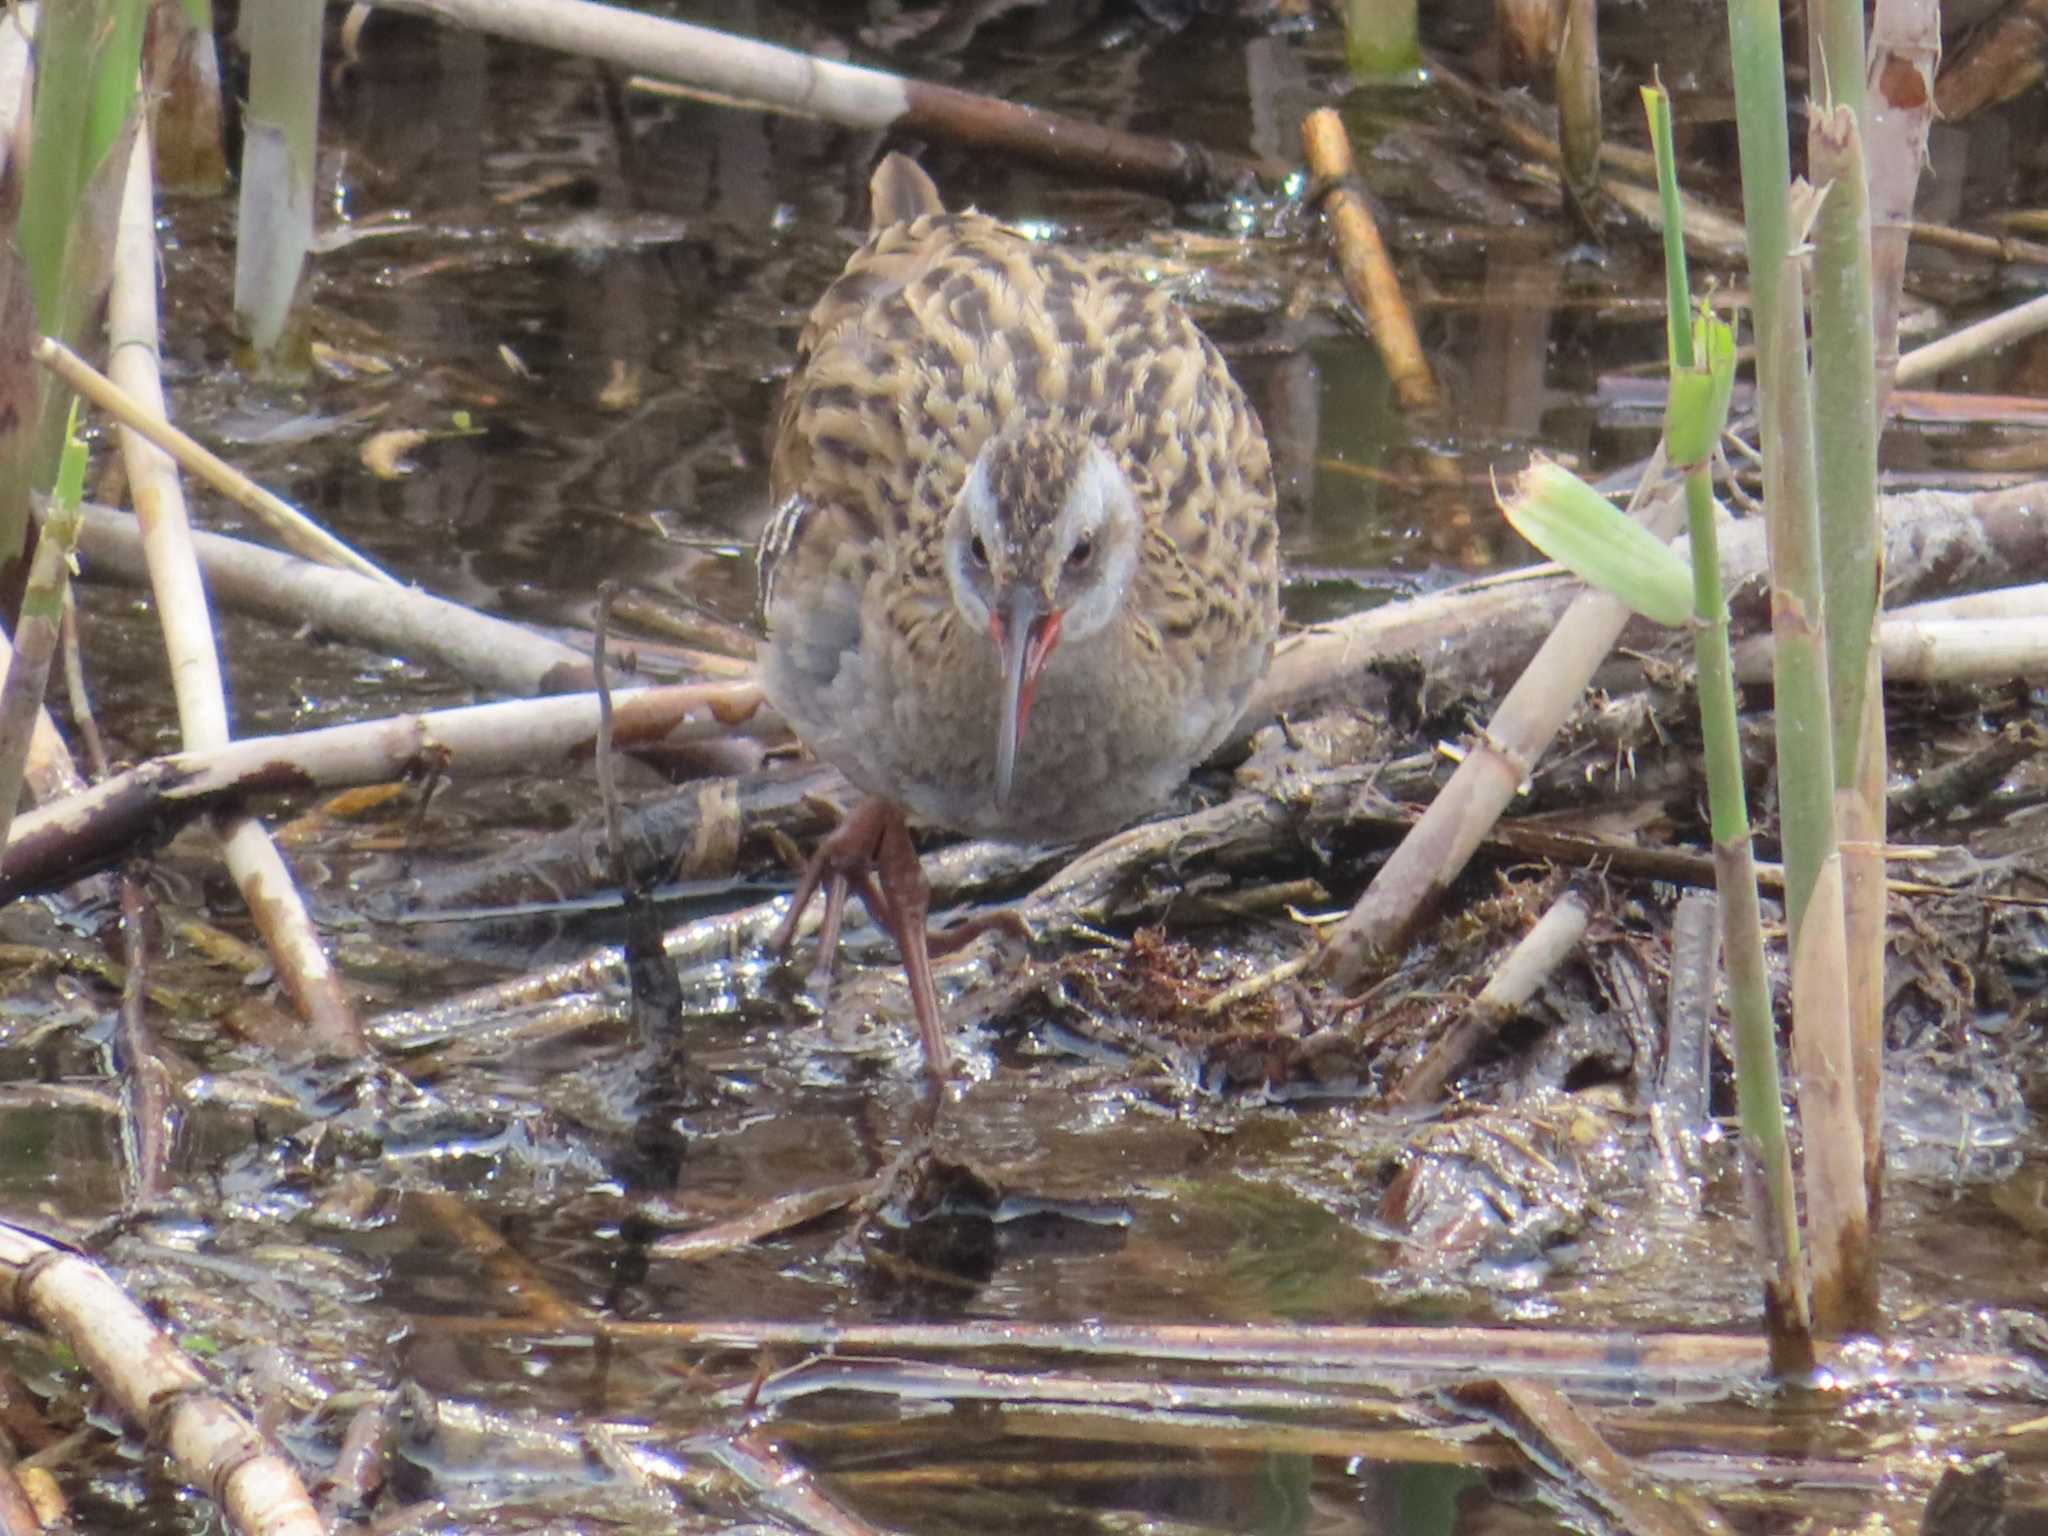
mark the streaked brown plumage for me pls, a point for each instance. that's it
(1023, 569)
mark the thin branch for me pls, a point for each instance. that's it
(140, 410)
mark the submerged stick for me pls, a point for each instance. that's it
(783, 1485)
(1552, 1433)
(1623, 1363)
(149, 1109)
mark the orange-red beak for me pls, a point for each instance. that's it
(1024, 635)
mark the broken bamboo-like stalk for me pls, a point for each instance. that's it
(752, 73)
(58, 842)
(1554, 938)
(1971, 341)
(483, 650)
(1408, 887)
(159, 1390)
(1578, 107)
(1362, 261)
(258, 869)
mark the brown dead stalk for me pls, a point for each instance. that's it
(1368, 272)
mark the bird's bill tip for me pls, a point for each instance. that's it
(1025, 632)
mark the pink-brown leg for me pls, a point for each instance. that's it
(871, 852)
(846, 852)
(909, 899)
(827, 956)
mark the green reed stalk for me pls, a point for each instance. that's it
(1836, 1209)
(1844, 346)
(88, 55)
(1381, 37)
(1759, 1094)
(42, 620)
(1846, 431)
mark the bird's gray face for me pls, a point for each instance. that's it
(1040, 546)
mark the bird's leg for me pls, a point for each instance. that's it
(847, 852)
(871, 852)
(939, 942)
(907, 898)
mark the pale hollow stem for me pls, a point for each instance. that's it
(1369, 273)
(297, 531)
(274, 218)
(1905, 46)
(1759, 1094)
(1823, 1054)
(252, 858)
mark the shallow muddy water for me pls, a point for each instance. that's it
(587, 298)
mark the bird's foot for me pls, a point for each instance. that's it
(871, 852)
(956, 938)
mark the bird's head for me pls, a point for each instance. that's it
(1040, 547)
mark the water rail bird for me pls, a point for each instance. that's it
(1022, 570)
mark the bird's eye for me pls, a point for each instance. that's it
(979, 551)
(1082, 552)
